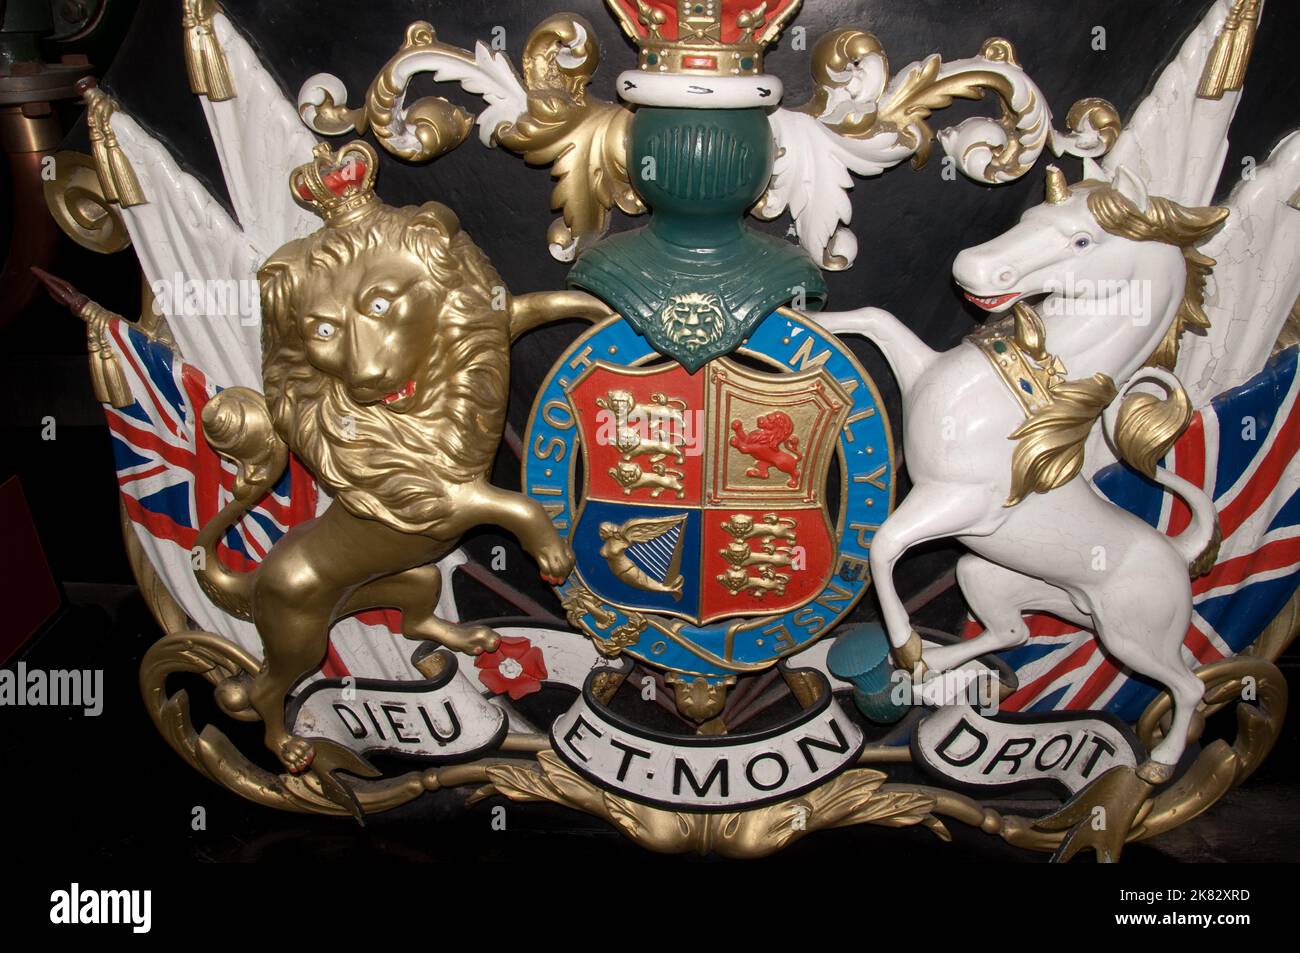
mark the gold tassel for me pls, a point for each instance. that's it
(205, 61)
(99, 152)
(125, 183)
(193, 50)
(1225, 70)
(95, 347)
(215, 71)
(116, 177)
(106, 376)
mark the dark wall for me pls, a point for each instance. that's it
(909, 223)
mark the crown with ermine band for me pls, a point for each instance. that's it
(703, 37)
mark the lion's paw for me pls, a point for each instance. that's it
(556, 561)
(471, 639)
(297, 754)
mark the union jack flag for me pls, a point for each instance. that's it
(1242, 450)
(172, 483)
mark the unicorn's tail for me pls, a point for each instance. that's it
(1142, 427)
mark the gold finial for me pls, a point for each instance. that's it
(337, 186)
(1058, 190)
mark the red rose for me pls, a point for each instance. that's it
(516, 668)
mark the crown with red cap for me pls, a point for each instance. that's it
(706, 54)
(337, 186)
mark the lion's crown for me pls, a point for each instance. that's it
(337, 186)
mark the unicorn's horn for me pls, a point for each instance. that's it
(1058, 190)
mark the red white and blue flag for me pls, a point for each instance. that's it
(172, 483)
(1242, 450)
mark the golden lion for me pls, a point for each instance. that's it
(385, 349)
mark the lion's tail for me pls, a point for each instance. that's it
(238, 426)
(528, 311)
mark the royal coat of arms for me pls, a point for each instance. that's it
(708, 477)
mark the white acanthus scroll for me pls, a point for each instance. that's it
(862, 122)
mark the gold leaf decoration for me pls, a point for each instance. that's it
(75, 197)
(1050, 449)
(854, 797)
(583, 139)
(924, 91)
(425, 129)
(211, 752)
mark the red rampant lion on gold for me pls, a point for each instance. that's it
(771, 443)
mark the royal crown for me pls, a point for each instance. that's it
(684, 42)
(337, 186)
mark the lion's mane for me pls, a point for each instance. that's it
(773, 430)
(382, 465)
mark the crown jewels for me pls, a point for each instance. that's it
(693, 44)
(337, 186)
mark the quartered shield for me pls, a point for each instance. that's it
(720, 519)
(704, 493)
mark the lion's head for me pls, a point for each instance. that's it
(628, 474)
(620, 403)
(694, 321)
(773, 430)
(739, 525)
(385, 358)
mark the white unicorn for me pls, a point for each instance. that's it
(1115, 260)
(1041, 538)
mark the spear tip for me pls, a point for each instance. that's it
(62, 291)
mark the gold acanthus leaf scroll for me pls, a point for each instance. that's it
(927, 87)
(547, 117)
(863, 120)
(583, 139)
(854, 797)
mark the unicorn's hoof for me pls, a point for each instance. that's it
(908, 657)
(1155, 772)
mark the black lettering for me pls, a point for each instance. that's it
(391, 708)
(575, 733)
(351, 720)
(941, 749)
(1102, 747)
(438, 736)
(683, 770)
(1083, 739)
(1038, 760)
(374, 721)
(628, 754)
(1013, 757)
(806, 744)
(780, 761)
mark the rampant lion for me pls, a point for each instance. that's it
(385, 348)
(771, 443)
